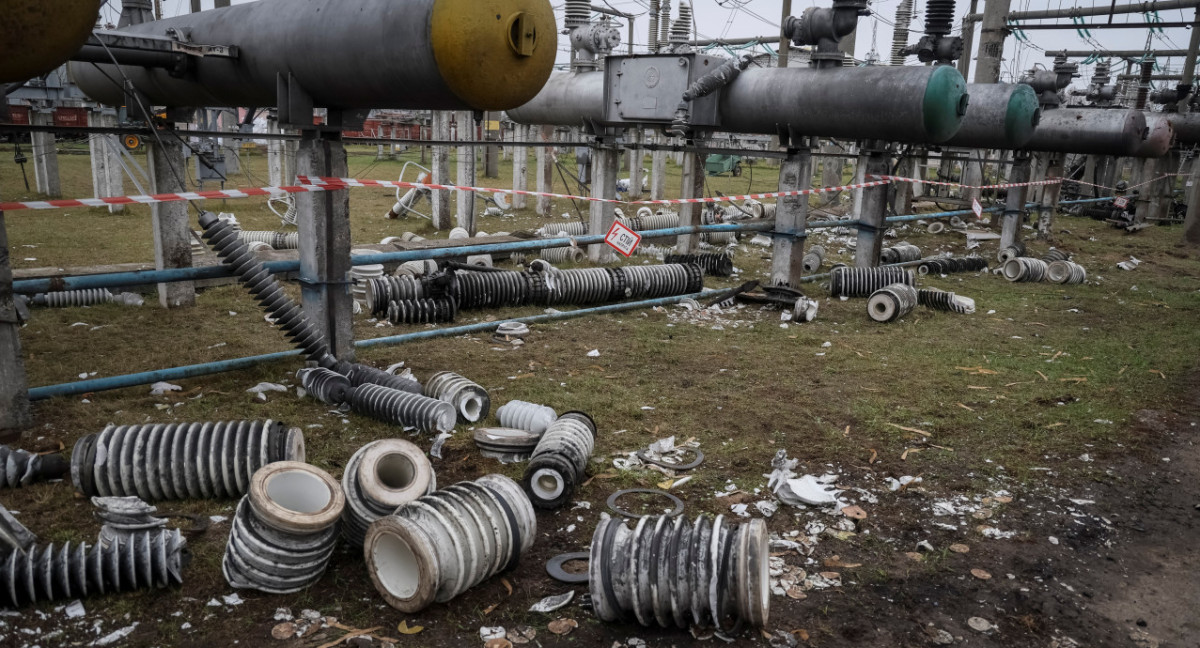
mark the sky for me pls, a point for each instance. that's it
(747, 18)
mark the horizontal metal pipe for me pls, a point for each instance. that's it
(222, 366)
(147, 277)
(1096, 10)
(1119, 53)
(1117, 25)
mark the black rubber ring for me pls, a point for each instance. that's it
(612, 502)
(666, 464)
(554, 567)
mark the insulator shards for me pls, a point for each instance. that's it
(523, 415)
(470, 400)
(558, 463)
(403, 408)
(862, 282)
(20, 468)
(890, 303)
(380, 477)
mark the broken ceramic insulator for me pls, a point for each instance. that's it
(1017, 249)
(326, 385)
(1055, 254)
(360, 374)
(557, 465)
(945, 301)
(526, 416)
(142, 560)
(814, 258)
(380, 477)
(180, 460)
(121, 517)
(1025, 270)
(403, 408)
(422, 311)
(469, 399)
(670, 572)
(714, 264)
(285, 529)
(902, 253)
(861, 282)
(890, 303)
(20, 468)
(953, 264)
(652, 282)
(1066, 272)
(443, 544)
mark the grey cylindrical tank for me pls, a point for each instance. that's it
(1000, 116)
(1187, 127)
(567, 99)
(429, 54)
(1159, 136)
(1096, 131)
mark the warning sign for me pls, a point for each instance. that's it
(1120, 202)
(622, 239)
(977, 208)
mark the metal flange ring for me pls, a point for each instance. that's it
(554, 567)
(612, 501)
(643, 455)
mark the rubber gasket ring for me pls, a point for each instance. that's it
(666, 464)
(554, 567)
(612, 502)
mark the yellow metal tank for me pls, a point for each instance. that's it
(37, 36)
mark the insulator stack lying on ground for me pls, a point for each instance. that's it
(277, 240)
(1013, 251)
(862, 282)
(361, 374)
(1066, 272)
(714, 265)
(890, 303)
(814, 258)
(660, 220)
(325, 385)
(1055, 254)
(675, 573)
(582, 286)
(524, 415)
(88, 297)
(403, 408)
(569, 228)
(121, 517)
(416, 268)
(422, 311)
(553, 255)
(378, 292)
(952, 265)
(503, 442)
(652, 282)
(145, 560)
(265, 289)
(557, 465)
(361, 275)
(380, 477)
(902, 253)
(491, 289)
(470, 400)
(1025, 269)
(20, 468)
(719, 238)
(180, 460)
(441, 545)
(284, 530)
(945, 301)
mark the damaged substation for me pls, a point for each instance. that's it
(382, 323)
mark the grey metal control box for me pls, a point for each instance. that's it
(647, 89)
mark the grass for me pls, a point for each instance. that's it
(1000, 392)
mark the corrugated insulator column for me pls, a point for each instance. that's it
(524, 415)
(558, 463)
(360, 374)
(715, 264)
(468, 398)
(326, 385)
(403, 408)
(180, 460)
(890, 303)
(861, 282)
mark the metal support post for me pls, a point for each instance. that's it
(441, 171)
(108, 178)
(691, 186)
(1048, 203)
(465, 204)
(14, 392)
(324, 222)
(1010, 222)
(606, 162)
(991, 41)
(873, 211)
(45, 156)
(785, 43)
(791, 219)
(172, 230)
(545, 171)
(520, 160)
(658, 170)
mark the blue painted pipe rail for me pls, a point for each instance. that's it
(221, 366)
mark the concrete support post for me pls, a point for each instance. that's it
(441, 171)
(905, 190)
(545, 171)
(637, 158)
(491, 152)
(231, 147)
(324, 222)
(465, 200)
(1191, 222)
(1165, 189)
(658, 170)
(972, 175)
(1109, 177)
(831, 167)
(860, 171)
(275, 154)
(991, 41)
(872, 212)
(108, 178)
(14, 391)
(1010, 222)
(1048, 202)
(172, 229)
(1089, 175)
(791, 218)
(1037, 173)
(606, 164)
(520, 158)
(45, 156)
(691, 186)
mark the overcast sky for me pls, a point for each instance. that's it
(745, 18)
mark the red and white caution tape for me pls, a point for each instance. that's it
(157, 198)
(956, 184)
